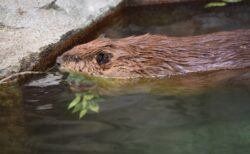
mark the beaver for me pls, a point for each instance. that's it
(151, 56)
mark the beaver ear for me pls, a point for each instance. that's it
(103, 35)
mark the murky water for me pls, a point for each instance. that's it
(198, 113)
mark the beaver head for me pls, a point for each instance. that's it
(155, 55)
(114, 58)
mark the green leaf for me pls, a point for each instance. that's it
(84, 104)
(94, 107)
(231, 1)
(75, 101)
(88, 96)
(77, 108)
(82, 113)
(215, 4)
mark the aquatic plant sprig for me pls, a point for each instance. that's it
(84, 102)
(221, 3)
(86, 98)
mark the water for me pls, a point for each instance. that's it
(198, 113)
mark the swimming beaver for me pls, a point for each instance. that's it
(159, 56)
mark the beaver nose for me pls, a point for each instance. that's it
(59, 60)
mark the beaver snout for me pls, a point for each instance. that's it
(67, 58)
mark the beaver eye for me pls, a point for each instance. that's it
(102, 58)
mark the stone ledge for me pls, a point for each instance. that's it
(32, 33)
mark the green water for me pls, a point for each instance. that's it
(196, 114)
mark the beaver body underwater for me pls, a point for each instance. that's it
(159, 56)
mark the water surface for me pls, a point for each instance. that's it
(192, 114)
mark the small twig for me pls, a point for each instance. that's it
(51, 68)
(15, 77)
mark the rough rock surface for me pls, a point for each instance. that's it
(152, 2)
(28, 27)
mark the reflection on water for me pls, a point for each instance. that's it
(197, 113)
(189, 84)
(12, 122)
(216, 121)
(89, 89)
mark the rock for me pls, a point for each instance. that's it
(34, 32)
(153, 2)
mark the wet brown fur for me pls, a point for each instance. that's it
(157, 56)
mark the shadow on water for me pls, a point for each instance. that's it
(183, 19)
(196, 113)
